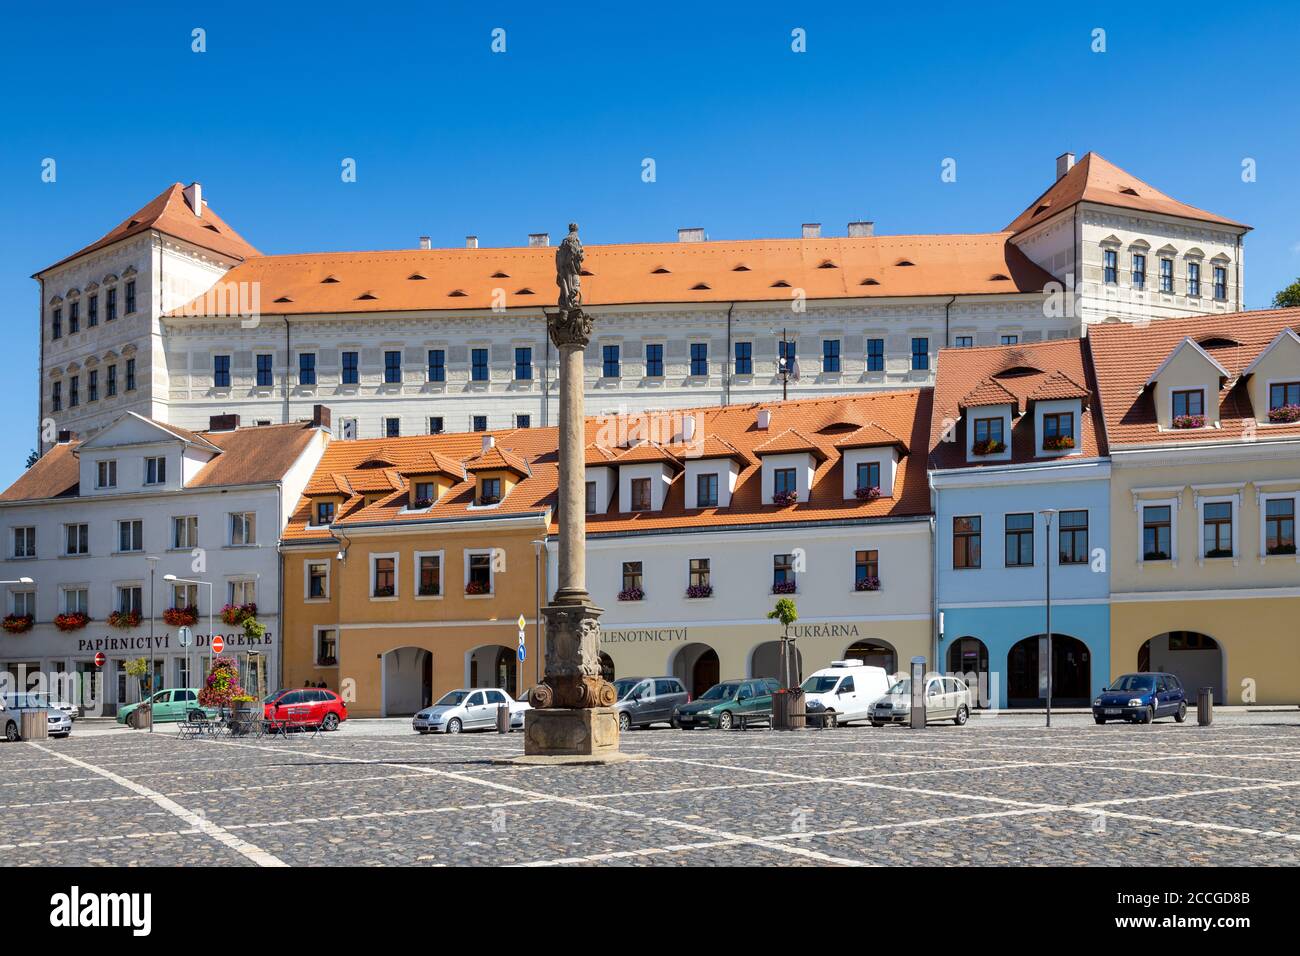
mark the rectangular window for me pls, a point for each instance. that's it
(349, 369)
(1110, 266)
(437, 365)
(699, 359)
(318, 576)
(1166, 275)
(74, 391)
(185, 532)
(1020, 540)
(640, 494)
(221, 371)
(425, 493)
(155, 471)
(868, 473)
(74, 317)
(784, 481)
(392, 367)
(110, 383)
(130, 599)
(698, 573)
(92, 311)
(830, 355)
(1220, 283)
(241, 591)
(385, 575)
(1283, 393)
(265, 369)
(1193, 279)
(24, 603)
(782, 570)
(478, 365)
(56, 396)
(875, 355)
(327, 647)
(130, 535)
(1010, 340)
(706, 490)
(744, 358)
(591, 497)
(1157, 531)
(76, 601)
(25, 542)
(523, 364)
(306, 368)
(920, 354)
(523, 421)
(1058, 430)
(866, 567)
(435, 425)
(92, 385)
(609, 361)
(106, 474)
(324, 513)
(392, 427)
(130, 297)
(966, 542)
(76, 539)
(185, 595)
(430, 575)
(1139, 270)
(110, 304)
(654, 360)
(965, 342)
(1279, 526)
(632, 578)
(243, 528)
(489, 491)
(130, 375)
(1188, 402)
(478, 423)
(56, 324)
(1073, 530)
(988, 431)
(480, 573)
(787, 356)
(1217, 529)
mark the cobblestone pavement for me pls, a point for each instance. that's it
(998, 791)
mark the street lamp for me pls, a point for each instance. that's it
(171, 578)
(538, 545)
(153, 570)
(1048, 514)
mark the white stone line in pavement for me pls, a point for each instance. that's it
(65, 803)
(379, 815)
(1188, 793)
(294, 783)
(632, 854)
(110, 838)
(256, 854)
(1199, 825)
(28, 783)
(575, 802)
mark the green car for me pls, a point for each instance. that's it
(169, 705)
(723, 705)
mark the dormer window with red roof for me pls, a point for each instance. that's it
(1058, 431)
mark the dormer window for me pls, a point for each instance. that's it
(1058, 431)
(155, 471)
(1188, 408)
(869, 476)
(591, 498)
(640, 494)
(785, 486)
(425, 492)
(489, 491)
(706, 490)
(989, 436)
(1284, 401)
(106, 474)
(324, 512)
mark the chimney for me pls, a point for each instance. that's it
(536, 239)
(320, 417)
(688, 428)
(66, 437)
(861, 229)
(812, 230)
(425, 243)
(223, 423)
(1064, 163)
(193, 194)
(691, 234)
(488, 442)
(471, 242)
(764, 419)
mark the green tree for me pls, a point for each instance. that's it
(33, 457)
(1288, 298)
(787, 613)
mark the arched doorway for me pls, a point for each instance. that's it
(968, 658)
(1071, 672)
(494, 665)
(408, 681)
(765, 661)
(606, 667)
(1196, 659)
(874, 654)
(696, 666)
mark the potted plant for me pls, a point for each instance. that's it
(222, 685)
(142, 716)
(1284, 413)
(478, 587)
(867, 494)
(989, 446)
(699, 591)
(73, 621)
(1058, 443)
(787, 703)
(867, 584)
(631, 594)
(124, 619)
(181, 616)
(419, 504)
(1188, 421)
(18, 623)
(784, 587)
(783, 498)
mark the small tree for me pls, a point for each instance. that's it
(139, 669)
(787, 613)
(1288, 298)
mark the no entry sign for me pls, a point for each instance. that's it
(218, 644)
(100, 659)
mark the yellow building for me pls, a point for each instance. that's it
(1201, 419)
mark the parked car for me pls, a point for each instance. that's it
(946, 698)
(168, 706)
(724, 704)
(13, 706)
(468, 708)
(308, 706)
(1142, 698)
(643, 701)
(843, 692)
(62, 706)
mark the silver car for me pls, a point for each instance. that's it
(468, 709)
(946, 698)
(643, 701)
(12, 707)
(62, 706)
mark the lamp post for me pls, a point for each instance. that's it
(153, 571)
(208, 584)
(1048, 514)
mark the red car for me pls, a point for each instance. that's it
(306, 707)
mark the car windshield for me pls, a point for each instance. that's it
(720, 692)
(819, 685)
(623, 685)
(453, 698)
(1134, 682)
(902, 688)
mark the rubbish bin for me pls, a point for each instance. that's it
(503, 718)
(1205, 706)
(33, 725)
(141, 718)
(788, 709)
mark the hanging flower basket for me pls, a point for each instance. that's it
(631, 594)
(478, 587)
(1284, 413)
(18, 623)
(989, 446)
(71, 622)
(124, 619)
(234, 614)
(784, 587)
(222, 685)
(254, 628)
(783, 498)
(867, 494)
(867, 584)
(181, 616)
(699, 591)
(1058, 443)
(1188, 421)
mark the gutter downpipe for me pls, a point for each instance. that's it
(40, 371)
(1240, 301)
(288, 366)
(947, 335)
(936, 635)
(727, 363)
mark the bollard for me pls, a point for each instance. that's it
(503, 718)
(1205, 706)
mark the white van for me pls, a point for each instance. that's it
(843, 692)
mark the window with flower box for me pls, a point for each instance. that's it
(1284, 402)
(633, 582)
(783, 574)
(383, 575)
(866, 570)
(1058, 431)
(1279, 526)
(428, 573)
(489, 491)
(868, 473)
(1157, 533)
(327, 647)
(478, 577)
(1216, 529)
(698, 579)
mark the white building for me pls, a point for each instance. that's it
(97, 526)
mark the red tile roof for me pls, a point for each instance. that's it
(1125, 356)
(991, 392)
(872, 436)
(1058, 386)
(498, 457)
(790, 441)
(647, 452)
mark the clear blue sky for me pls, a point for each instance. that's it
(750, 139)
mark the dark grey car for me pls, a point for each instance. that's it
(643, 701)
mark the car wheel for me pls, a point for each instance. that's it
(1182, 712)
(724, 720)
(331, 722)
(11, 732)
(1100, 720)
(624, 722)
(877, 723)
(453, 725)
(423, 733)
(1150, 715)
(963, 715)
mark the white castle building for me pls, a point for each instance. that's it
(175, 316)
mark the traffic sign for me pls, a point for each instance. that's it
(100, 659)
(218, 644)
(523, 653)
(185, 637)
(522, 624)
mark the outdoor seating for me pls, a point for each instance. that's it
(195, 724)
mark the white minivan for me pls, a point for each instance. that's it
(843, 692)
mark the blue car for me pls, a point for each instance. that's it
(1141, 698)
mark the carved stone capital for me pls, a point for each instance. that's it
(569, 328)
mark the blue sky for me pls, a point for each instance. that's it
(749, 138)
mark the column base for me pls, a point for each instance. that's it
(589, 734)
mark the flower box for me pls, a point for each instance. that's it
(783, 498)
(328, 662)
(124, 619)
(489, 500)
(867, 584)
(989, 446)
(1279, 549)
(699, 591)
(181, 616)
(428, 590)
(1058, 443)
(18, 623)
(386, 591)
(1155, 556)
(71, 622)
(234, 614)
(1219, 553)
(784, 587)
(867, 494)
(478, 587)
(419, 504)
(1188, 421)
(1284, 413)
(631, 594)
